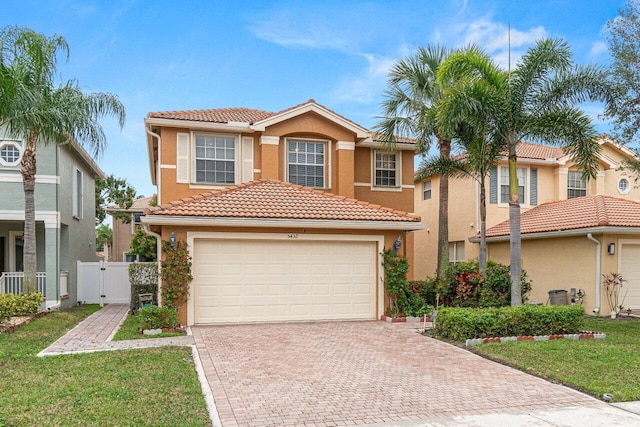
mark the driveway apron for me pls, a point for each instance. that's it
(349, 373)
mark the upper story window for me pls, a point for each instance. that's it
(504, 184)
(576, 186)
(136, 218)
(306, 163)
(426, 190)
(78, 194)
(386, 169)
(10, 152)
(623, 185)
(215, 158)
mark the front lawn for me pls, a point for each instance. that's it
(610, 365)
(155, 386)
(129, 330)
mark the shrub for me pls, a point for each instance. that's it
(176, 273)
(153, 317)
(464, 323)
(17, 305)
(464, 287)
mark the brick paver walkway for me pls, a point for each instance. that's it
(346, 373)
(95, 332)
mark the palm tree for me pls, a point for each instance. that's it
(409, 109)
(35, 109)
(537, 101)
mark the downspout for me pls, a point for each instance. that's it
(158, 176)
(147, 231)
(598, 256)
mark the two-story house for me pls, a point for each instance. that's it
(65, 218)
(573, 230)
(285, 214)
(123, 232)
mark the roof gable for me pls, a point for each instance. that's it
(574, 214)
(272, 199)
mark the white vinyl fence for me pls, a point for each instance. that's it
(104, 282)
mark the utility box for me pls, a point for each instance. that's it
(558, 297)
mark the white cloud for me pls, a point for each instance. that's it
(365, 86)
(597, 49)
(283, 30)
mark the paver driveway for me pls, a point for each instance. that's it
(346, 373)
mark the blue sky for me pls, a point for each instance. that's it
(176, 55)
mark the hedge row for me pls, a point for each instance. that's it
(17, 305)
(464, 323)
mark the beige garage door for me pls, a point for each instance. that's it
(239, 281)
(630, 271)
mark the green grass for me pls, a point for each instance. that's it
(610, 365)
(129, 331)
(133, 387)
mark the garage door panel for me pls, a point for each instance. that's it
(263, 280)
(630, 271)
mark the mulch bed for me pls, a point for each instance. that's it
(12, 323)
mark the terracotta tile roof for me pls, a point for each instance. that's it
(220, 115)
(527, 150)
(573, 214)
(279, 200)
(402, 139)
(137, 204)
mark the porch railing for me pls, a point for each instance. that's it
(11, 282)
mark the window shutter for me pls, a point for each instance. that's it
(182, 157)
(493, 185)
(247, 159)
(533, 198)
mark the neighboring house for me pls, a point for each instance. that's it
(285, 214)
(65, 218)
(555, 202)
(123, 232)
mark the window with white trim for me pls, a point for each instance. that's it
(10, 152)
(576, 186)
(456, 251)
(306, 163)
(426, 190)
(78, 194)
(386, 169)
(504, 184)
(623, 185)
(215, 159)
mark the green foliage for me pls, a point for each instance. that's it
(463, 323)
(175, 273)
(143, 245)
(18, 305)
(158, 317)
(104, 235)
(143, 277)
(114, 191)
(406, 298)
(464, 287)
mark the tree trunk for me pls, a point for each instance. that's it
(515, 245)
(28, 170)
(482, 259)
(443, 214)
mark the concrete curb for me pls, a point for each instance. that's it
(580, 336)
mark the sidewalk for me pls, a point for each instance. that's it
(96, 331)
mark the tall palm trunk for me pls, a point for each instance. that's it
(443, 213)
(515, 244)
(482, 259)
(28, 170)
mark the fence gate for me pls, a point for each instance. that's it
(110, 279)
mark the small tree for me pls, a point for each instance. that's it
(143, 245)
(114, 191)
(104, 235)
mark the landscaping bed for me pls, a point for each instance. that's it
(131, 330)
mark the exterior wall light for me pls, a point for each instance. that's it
(611, 248)
(172, 239)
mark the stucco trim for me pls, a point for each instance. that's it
(168, 167)
(51, 219)
(40, 179)
(345, 145)
(233, 127)
(563, 233)
(204, 235)
(269, 140)
(279, 223)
